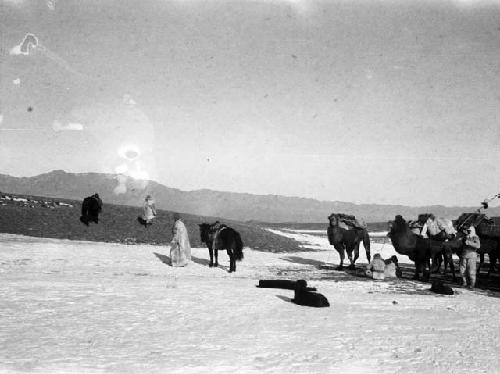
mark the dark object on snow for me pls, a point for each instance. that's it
(440, 288)
(284, 284)
(308, 298)
(218, 236)
(91, 207)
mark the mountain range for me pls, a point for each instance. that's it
(118, 189)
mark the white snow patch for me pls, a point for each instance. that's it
(21, 199)
(316, 242)
(87, 307)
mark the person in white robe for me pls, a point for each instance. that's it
(180, 251)
(149, 209)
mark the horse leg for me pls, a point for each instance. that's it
(232, 262)
(216, 257)
(211, 252)
(448, 258)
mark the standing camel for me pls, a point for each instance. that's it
(408, 243)
(345, 240)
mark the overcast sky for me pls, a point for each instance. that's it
(363, 101)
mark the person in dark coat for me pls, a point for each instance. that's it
(91, 207)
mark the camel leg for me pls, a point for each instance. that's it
(417, 270)
(419, 267)
(493, 261)
(436, 263)
(481, 262)
(342, 256)
(452, 268)
(356, 256)
(426, 272)
(349, 255)
(216, 257)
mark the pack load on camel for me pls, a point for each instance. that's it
(484, 225)
(348, 221)
(429, 226)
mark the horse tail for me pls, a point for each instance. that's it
(238, 250)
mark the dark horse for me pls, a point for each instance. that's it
(91, 207)
(347, 241)
(408, 243)
(220, 238)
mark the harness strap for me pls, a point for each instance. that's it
(217, 234)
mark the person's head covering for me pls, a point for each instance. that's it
(394, 259)
(377, 256)
(177, 216)
(472, 231)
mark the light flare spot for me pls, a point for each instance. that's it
(129, 152)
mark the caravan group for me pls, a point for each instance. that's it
(439, 238)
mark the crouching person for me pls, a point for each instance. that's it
(392, 269)
(468, 258)
(376, 267)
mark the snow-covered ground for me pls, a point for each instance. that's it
(317, 240)
(86, 307)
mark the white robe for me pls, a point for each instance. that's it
(180, 252)
(149, 210)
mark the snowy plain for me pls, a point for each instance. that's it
(88, 307)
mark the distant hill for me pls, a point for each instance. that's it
(59, 218)
(237, 206)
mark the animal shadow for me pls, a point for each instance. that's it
(200, 261)
(305, 261)
(284, 298)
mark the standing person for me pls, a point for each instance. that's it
(91, 207)
(468, 257)
(180, 251)
(149, 211)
